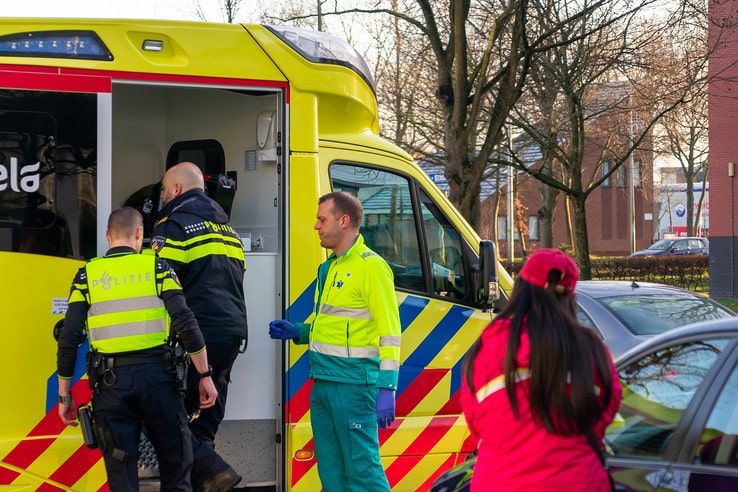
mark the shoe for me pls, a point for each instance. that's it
(222, 481)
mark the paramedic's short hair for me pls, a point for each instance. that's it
(345, 204)
(123, 221)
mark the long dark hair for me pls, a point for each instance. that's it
(562, 353)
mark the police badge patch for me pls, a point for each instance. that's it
(157, 242)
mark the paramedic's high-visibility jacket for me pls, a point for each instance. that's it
(193, 235)
(355, 335)
(127, 300)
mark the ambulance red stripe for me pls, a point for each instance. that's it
(418, 390)
(76, 465)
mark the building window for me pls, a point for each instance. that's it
(620, 177)
(606, 169)
(533, 227)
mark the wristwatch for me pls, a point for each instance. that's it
(208, 373)
(65, 399)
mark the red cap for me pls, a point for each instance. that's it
(536, 269)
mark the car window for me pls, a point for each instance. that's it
(654, 314)
(388, 225)
(680, 245)
(445, 251)
(661, 245)
(584, 319)
(657, 389)
(718, 444)
(695, 244)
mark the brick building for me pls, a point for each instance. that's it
(723, 154)
(608, 222)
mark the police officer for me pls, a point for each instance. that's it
(354, 351)
(126, 300)
(193, 235)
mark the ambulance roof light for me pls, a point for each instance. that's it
(55, 44)
(321, 47)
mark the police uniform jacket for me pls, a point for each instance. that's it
(79, 312)
(193, 235)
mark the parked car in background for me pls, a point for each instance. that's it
(626, 313)
(677, 246)
(677, 428)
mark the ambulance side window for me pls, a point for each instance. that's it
(444, 249)
(389, 227)
(48, 173)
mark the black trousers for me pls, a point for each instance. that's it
(142, 393)
(221, 357)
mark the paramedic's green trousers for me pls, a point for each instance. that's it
(344, 421)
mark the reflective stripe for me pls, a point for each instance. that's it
(389, 341)
(389, 365)
(343, 351)
(498, 383)
(354, 313)
(122, 305)
(521, 374)
(128, 329)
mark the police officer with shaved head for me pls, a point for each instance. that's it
(130, 304)
(193, 235)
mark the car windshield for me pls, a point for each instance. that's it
(654, 314)
(661, 245)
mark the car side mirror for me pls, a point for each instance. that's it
(486, 287)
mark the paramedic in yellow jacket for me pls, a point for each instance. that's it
(354, 350)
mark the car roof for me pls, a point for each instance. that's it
(609, 288)
(717, 328)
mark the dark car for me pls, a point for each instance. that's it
(626, 313)
(677, 428)
(677, 246)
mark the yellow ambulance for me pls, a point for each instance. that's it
(92, 112)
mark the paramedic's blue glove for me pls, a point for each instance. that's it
(385, 407)
(281, 329)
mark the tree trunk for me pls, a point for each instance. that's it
(496, 212)
(581, 239)
(569, 228)
(547, 211)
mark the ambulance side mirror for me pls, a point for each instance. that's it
(486, 287)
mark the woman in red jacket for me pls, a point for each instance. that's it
(537, 383)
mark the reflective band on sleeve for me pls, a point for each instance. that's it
(122, 305)
(389, 341)
(498, 383)
(389, 365)
(353, 313)
(343, 351)
(128, 329)
(521, 374)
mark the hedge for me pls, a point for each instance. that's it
(687, 272)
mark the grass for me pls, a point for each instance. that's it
(729, 303)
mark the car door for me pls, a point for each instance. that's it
(709, 458)
(662, 391)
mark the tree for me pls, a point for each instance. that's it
(611, 88)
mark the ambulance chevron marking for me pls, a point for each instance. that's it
(448, 464)
(79, 463)
(414, 453)
(419, 473)
(410, 308)
(415, 392)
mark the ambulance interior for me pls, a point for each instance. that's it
(151, 123)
